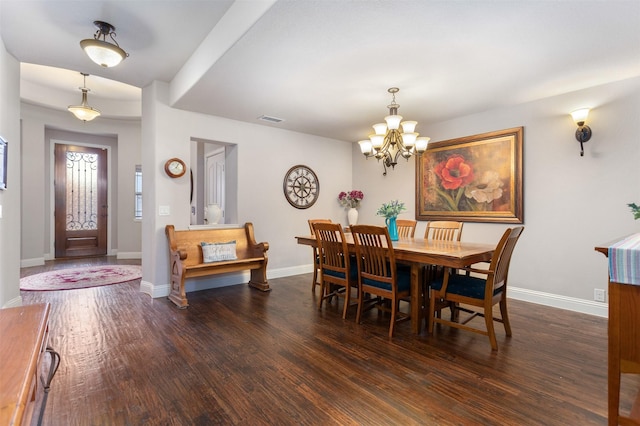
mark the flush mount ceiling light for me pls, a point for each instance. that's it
(389, 143)
(100, 51)
(84, 112)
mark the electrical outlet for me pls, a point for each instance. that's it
(599, 295)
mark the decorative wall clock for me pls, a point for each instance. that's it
(301, 187)
(175, 168)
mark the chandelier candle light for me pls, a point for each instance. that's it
(388, 143)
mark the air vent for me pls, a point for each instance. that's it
(270, 119)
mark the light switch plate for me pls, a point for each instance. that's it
(164, 210)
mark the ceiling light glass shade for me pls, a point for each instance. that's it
(421, 144)
(393, 121)
(84, 113)
(409, 126)
(365, 147)
(103, 53)
(380, 128)
(377, 141)
(580, 116)
(409, 139)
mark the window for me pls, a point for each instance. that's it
(138, 193)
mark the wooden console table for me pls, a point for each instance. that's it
(624, 323)
(23, 342)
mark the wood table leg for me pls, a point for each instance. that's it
(416, 298)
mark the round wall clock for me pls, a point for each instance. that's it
(175, 167)
(301, 187)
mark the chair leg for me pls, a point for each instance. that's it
(505, 316)
(432, 307)
(315, 282)
(360, 302)
(323, 293)
(347, 301)
(394, 311)
(488, 319)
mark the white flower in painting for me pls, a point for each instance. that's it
(485, 189)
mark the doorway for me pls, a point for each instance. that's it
(214, 180)
(80, 189)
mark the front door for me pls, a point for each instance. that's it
(80, 201)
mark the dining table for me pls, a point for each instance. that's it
(418, 252)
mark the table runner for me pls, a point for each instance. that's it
(624, 260)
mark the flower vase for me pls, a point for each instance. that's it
(212, 213)
(393, 227)
(352, 216)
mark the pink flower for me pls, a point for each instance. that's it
(350, 199)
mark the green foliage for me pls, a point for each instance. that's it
(635, 209)
(391, 209)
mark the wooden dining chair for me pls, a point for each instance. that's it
(338, 275)
(439, 230)
(378, 273)
(478, 295)
(443, 230)
(316, 261)
(406, 227)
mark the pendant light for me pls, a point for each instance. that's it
(84, 112)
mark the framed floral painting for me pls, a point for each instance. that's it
(472, 179)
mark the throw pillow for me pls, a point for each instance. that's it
(216, 252)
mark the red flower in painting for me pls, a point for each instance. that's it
(454, 172)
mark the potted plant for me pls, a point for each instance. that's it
(351, 201)
(390, 211)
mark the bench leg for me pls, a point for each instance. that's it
(178, 294)
(259, 279)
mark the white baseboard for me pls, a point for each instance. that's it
(38, 261)
(556, 301)
(16, 301)
(224, 280)
(129, 255)
(155, 291)
(541, 298)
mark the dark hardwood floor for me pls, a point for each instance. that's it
(241, 356)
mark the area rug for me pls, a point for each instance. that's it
(73, 278)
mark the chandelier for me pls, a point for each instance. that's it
(84, 112)
(102, 52)
(389, 143)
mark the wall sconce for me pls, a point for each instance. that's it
(583, 133)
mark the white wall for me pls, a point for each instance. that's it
(571, 203)
(10, 198)
(264, 156)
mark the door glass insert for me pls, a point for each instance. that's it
(82, 191)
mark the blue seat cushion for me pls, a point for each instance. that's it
(463, 285)
(353, 272)
(403, 277)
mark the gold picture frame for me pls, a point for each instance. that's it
(472, 179)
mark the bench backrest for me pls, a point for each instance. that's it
(189, 241)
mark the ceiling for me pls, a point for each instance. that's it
(324, 66)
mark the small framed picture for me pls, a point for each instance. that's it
(3, 163)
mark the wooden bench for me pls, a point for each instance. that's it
(186, 260)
